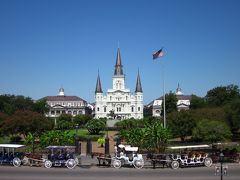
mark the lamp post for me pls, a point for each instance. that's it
(76, 139)
(222, 170)
(221, 159)
(106, 147)
(76, 128)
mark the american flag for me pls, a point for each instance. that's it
(158, 54)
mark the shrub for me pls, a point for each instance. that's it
(128, 123)
(101, 141)
(211, 131)
(94, 126)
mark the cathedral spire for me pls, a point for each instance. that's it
(118, 66)
(138, 85)
(98, 85)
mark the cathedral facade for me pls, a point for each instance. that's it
(118, 102)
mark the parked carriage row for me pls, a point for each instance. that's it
(64, 156)
(57, 156)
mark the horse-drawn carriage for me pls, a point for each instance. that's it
(191, 156)
(185, 157)
(57, 156)
(10, 154)
(60, 156)
(127, 155)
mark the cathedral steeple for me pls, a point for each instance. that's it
(118, 66)
(98, 85)
(138, 85)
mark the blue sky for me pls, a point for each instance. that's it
(46, 44)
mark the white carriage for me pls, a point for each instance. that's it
(193, 156)
(127, 155)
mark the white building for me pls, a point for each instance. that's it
(119, 102)
(61, 103)
(183, 102)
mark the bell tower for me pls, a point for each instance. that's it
(118, 77)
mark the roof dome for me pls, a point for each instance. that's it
(179, 90)
(61, 92)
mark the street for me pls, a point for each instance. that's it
(109, 173)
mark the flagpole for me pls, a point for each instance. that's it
(156, 55)
(164, 104)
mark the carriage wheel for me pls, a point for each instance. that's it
(208, 162)
(16, 162)
(138, 163)
(116, 163)
(71, 163)
(48, 164)
(175, 164)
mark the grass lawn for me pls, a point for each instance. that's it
(84, 132)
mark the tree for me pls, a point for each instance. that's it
(181, 124)
(222, 95)
(134, 136)
(23, 103)
(24, 122)
(156, 137)
(56, 138)
(94, 126)
(41, 106)
(233, 114)
(6, 105)
(171, 103)
(213, 113)
(3, 118)
(197, 102)
(153, 136)
(10, 103)
(64, 121)
(211, 131)
(101, 141)
(81, 119)
(30, 140)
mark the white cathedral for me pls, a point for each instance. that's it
(119, 103)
